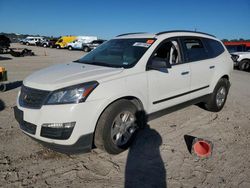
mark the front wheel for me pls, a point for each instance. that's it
(58, 47)
(244, 65)
(116, 127)
(218, 98)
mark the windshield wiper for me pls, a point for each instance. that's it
(105, 64)
(98, 63)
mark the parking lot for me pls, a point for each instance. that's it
(159, 156)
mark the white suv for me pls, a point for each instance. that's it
(103, 98)
(33, 40)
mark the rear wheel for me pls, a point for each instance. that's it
(218, 98)
(116, 127)
(70, 47)
(44, 45)
(58, 47)
(86, 49)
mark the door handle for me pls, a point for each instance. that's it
(212, 67)
(184, 73)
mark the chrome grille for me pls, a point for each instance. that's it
(32, 98)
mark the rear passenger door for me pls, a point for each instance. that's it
(202, 67)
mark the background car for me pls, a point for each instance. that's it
(77, 44)
(33, 40)
(49, 43)
(92, 45)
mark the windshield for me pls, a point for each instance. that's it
(118, 53)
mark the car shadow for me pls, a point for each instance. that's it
(145, 167)
(2, 105)
(9, 86)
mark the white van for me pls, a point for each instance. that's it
(77, 44)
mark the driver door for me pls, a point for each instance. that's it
(169, 88)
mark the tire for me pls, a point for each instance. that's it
(58, 47)
(70, 48)
(86, 49)
(27, 44)
(218, 98)
(108, 133)
(45, 46)
(243, 65)
(247, 68)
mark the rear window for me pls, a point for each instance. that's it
(215, 48)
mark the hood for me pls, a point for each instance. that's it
(63, 75)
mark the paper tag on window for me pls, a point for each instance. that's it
(141, 44)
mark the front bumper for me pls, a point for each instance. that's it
(236, 63)
(83, 144)
(84, 115)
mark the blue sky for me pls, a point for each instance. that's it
(106, 19)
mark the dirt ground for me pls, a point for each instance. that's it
(158, 158)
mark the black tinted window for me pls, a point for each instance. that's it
(215, 48)
(194, 49)
(169, 52)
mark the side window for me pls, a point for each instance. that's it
(169, 52)
(215, 48)
(195, 50)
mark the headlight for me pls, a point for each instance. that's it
(72, 94)
(235, 57)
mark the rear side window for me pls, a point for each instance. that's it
(215, 48)
(194, 49)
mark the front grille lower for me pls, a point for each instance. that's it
(28, 127)
(32, 98)
(56, 133)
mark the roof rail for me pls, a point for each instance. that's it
(187, 31)
(130, 34)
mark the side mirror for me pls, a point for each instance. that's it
(159, 64)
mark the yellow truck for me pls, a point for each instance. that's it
(64, 40)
